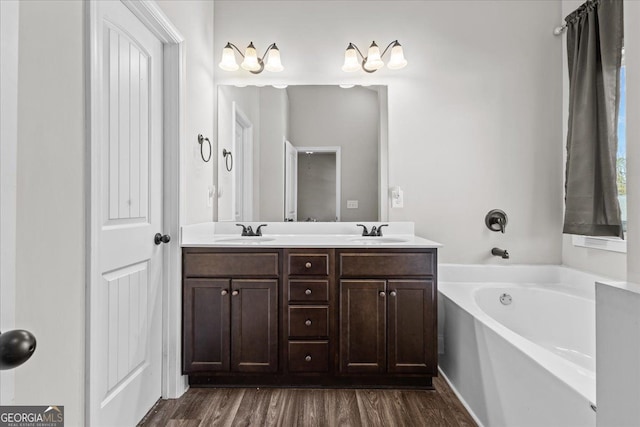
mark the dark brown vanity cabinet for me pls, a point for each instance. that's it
(304, 316)
(388, 312)
(230, 312)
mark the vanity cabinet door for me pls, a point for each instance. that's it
(412, 327)
(362, 326)
(254, 325)
(206, 325)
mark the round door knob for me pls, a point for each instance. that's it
(160, 238)
(308, 322)
(382, 294)
(234, 293)
(392, 293)
(307, 358)
(307, 292)
(308, 265)
(224, 292)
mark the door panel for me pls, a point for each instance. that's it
(254, 325)
(126, 306)
(206, 333)
(411, 311)
(362, 326)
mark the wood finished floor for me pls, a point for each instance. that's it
(311, 407)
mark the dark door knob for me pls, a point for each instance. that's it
(16, 347)
(159, 238)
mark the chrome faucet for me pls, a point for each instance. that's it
(500, 252)
(248, 231)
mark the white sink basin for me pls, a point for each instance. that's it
(376, 240)
(247, 240)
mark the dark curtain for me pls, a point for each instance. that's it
(594, 50)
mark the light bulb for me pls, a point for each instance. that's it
(397, 60)
(228, 62)
(351, 62)
(250, 62)
(273, 63)
(374, 62)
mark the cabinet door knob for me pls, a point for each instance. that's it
(308, 265)
(234, 293)
(307, 292)
(308, 322)
(392, 293)
(224, 292)
(382, 294)
(307, 358)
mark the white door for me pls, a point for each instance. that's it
(242, 165)
(125, 299)
(290, 182)
(238, 174)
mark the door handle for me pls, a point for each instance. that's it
(159, 238)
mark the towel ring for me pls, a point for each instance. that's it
(227, 157)
(201, 140)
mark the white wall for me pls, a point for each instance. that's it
(474, 119)
(605, 263)
(194, 20)
(323, 116)
(50, 251)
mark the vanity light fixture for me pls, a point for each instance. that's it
(251, 62)
(373, 61)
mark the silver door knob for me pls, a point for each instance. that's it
(224, 292)
(307, 292)
(308, 265)
(392, 293)
(160, 238)
(382, 294)
(234, 293)
(308, 322)
(307, 358)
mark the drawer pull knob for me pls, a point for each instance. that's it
(308, 322)
(392, 293)
(307, 292)
(234, 293)
(224, 292)
(382, 294)
(308, 265)
(307, 358)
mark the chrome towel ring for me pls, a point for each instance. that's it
(201, 140)
(228, 159)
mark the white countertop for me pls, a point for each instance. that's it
(303, 235)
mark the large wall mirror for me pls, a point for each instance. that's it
(302, 153)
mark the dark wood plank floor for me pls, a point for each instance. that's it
(311, 407)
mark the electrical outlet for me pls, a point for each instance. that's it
(397, 197)
(352, 204)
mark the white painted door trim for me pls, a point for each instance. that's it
(9, 14)
(174, 384)
(330, 149)
(238, 117)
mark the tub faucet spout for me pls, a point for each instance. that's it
(500, 252)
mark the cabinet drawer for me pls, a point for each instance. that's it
(309, 264)
(308, 356)
(309, 322)
(309, 290)
(381, 264)
(230, 264)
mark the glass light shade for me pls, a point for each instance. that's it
(228, 62)
(397, 60)
(250, 62)
(273, 63)
(374, 62)
(351, 62)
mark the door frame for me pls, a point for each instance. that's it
(238, 117)
(9, 12)
(329, 149)
(174, 384)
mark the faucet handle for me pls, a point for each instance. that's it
(244, 229)
(379, 233)
(258, 230)
(365, 232)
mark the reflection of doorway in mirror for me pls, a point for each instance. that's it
(319, 183)
(242, 172)
(291, 182)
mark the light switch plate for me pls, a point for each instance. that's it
(352, 204)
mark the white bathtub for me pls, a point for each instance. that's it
(528, 363)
